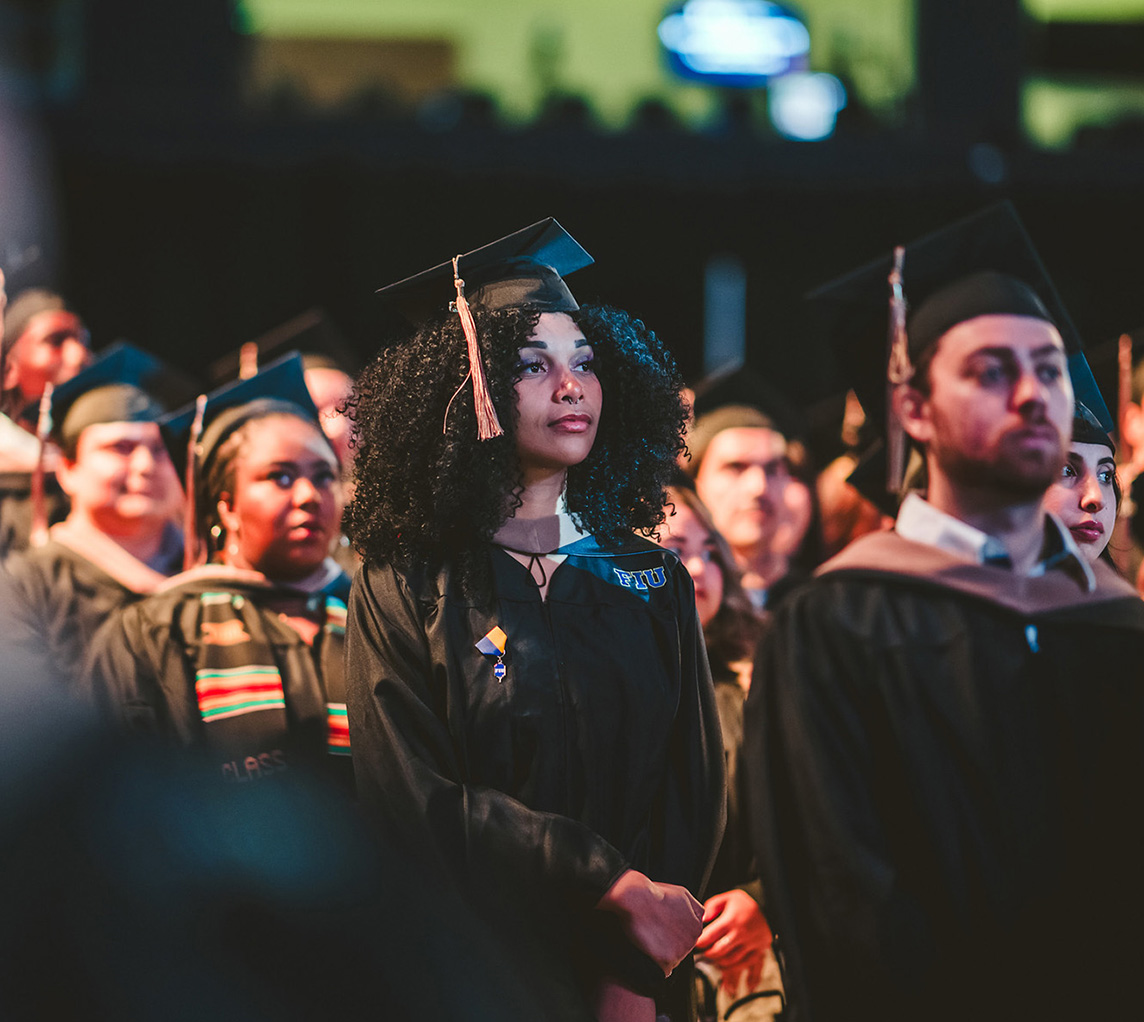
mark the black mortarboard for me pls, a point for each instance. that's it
(117, 387)
(1087, 429)
(523, 270)
(982, 264)
(312, 333)
(280, 387)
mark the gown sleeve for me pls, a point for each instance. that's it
(410, 774)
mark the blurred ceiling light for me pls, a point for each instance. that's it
(804, 106)
(740, 43)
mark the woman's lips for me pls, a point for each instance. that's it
(576, 423)
(1087, 532)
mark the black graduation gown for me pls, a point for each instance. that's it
(146, 663)
(598, 751)
(947, 767)
(16, 508)
(68, 597)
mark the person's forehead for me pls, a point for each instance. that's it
(555, 327)
(106, 433)
(284, 437)
(52, 322)
(746, 443)
(1022, 335)
(1091, 454)
(682, 522)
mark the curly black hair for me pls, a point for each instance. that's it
(427, 491)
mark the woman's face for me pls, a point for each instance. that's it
(287, 501)
(684, 534)
(558, 397)
(1083, 497)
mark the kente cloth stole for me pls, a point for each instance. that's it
(238, 682)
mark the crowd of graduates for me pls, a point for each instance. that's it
(536, 647)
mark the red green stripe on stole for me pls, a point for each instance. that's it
(338, 730)
(231, 692)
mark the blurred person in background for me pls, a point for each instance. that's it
(242, 656)
(740, 976)
(1127, 544)
(329, 361)
(1087, 495)
(752, 479)
(118, 541)
(43, 342)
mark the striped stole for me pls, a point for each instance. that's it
(239, 686)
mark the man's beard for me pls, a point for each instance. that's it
(1003, 473)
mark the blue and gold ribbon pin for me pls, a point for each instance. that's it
(493, 645)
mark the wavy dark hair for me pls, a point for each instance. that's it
(428, 491)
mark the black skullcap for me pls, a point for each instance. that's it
(523, 270)
(116, 387)
(313, 333)
(280, 388)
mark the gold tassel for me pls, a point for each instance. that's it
(39, 533)
(899, 370)
(488, 425)
(190, 529)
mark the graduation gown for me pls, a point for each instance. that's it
(597, 751)
(210, 662)
(74, 583)
(947, 766)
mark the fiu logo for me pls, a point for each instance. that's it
(654, 578)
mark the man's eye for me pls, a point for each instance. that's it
(992, 374)
(1049, 373)
(283, 479)
(324, 478)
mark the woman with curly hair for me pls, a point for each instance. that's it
(529, 699)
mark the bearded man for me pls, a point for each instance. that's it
(945, 733)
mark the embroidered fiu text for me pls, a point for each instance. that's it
(654, 578)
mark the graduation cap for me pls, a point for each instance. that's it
(312, 333)
(880, 319)
(1087, 429)
(119, 386)
(523, 270)
(280, 387)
